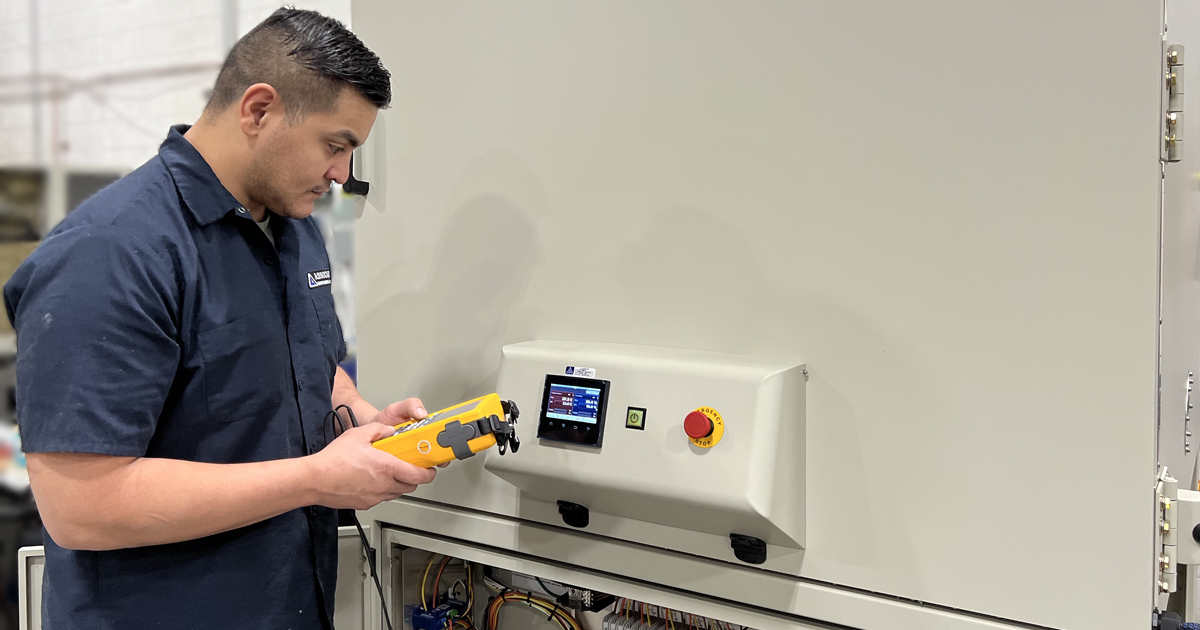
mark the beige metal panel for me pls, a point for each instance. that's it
(353, 580)
(737, 594)
(1181, 268)
(467, 484)
(606, 584)
(949, 211)
(31, 566)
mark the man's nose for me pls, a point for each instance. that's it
(340, 171)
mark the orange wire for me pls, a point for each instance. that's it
(437, 582)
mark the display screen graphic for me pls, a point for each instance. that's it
(581, 404)
(573, 410)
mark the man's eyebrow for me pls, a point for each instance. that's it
(349, 137)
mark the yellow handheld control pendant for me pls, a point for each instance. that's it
(456, 432)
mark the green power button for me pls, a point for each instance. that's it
(635, 418)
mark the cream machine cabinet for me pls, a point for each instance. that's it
(867, 314)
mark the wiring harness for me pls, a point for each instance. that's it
(553, 611)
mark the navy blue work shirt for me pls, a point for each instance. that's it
(159, 321)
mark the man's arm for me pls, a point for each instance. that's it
(100, 502)
(345, 393)
(94, 312)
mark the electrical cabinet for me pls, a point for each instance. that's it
(951, 215)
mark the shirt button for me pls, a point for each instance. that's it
(300, 385)
(241, 210)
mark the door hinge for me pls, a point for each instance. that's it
(1173, 97)
(1187, 414)
(1166, 535)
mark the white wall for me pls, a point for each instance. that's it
(119, 121)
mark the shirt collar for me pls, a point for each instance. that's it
(202, 193)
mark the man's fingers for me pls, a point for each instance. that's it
(375, 431)
(403, 489)
(405, 410)
(406, 473)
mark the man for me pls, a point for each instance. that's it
(178, 357)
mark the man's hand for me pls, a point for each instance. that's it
(350, 473)
(401, 412)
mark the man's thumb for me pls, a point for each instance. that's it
(403, 411)
(376, 431)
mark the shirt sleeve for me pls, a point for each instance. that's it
(97, 346)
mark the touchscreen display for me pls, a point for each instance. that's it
(573, 410)
(571, 402)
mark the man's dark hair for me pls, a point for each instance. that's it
(308, 58)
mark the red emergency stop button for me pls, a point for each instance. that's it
(697, 425)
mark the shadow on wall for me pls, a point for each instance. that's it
(444, 338)
(700, 282)
(481, 268)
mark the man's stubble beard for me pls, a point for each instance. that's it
(262, 176)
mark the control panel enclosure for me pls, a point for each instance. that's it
(750, 483)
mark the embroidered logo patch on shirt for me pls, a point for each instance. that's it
(319, 278)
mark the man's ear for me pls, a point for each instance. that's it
(260, 103)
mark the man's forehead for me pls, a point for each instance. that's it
(350, 119)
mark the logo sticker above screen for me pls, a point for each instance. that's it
(320, 278)
(581, 372)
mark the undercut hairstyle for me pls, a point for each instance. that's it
(308, 58)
